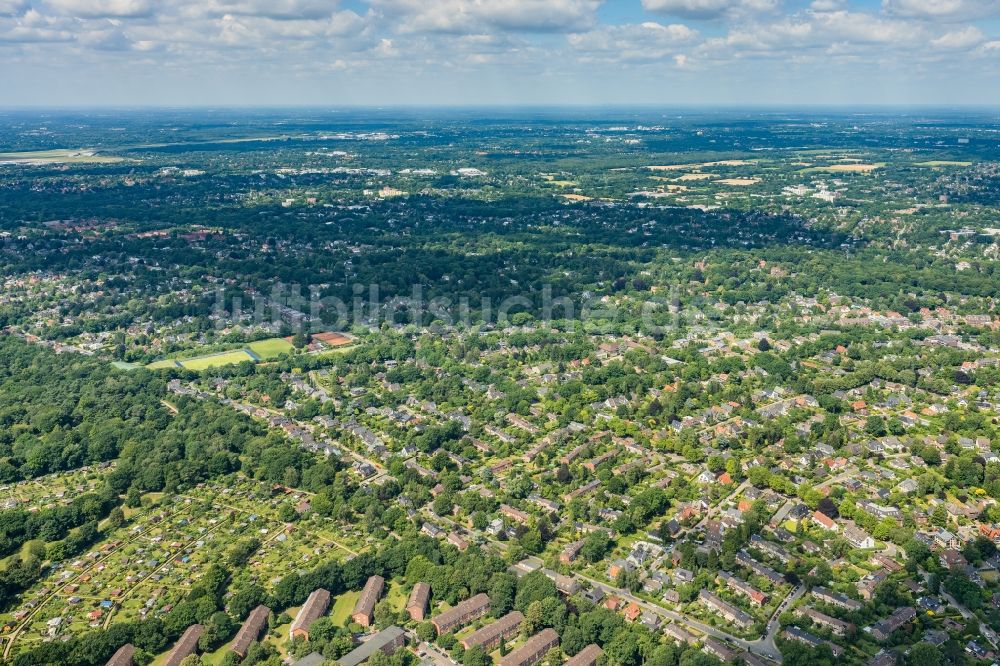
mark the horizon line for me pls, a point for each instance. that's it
(512, 106)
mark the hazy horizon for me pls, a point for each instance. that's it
(514, 107)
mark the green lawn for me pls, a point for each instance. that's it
(343, 607)
(397, 597)
(271, 348)
(207, 658)
(279, 637)
(336, 350)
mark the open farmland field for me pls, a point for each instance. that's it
(553, 180)
(700, 165)
(943, 163)
(845, 168)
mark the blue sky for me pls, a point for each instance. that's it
(499, 52)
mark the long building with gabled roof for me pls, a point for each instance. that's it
(123, 657)
(314, 608)
(251, 630)
(462, 613)
(489, 637)
(728, 611)
(186, 645)
(533, 650)
(416, 606)
(364, 610)
(588, 656)
(386, 641)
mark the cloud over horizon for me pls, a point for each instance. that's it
(499, 51)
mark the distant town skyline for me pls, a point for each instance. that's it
(499, 52)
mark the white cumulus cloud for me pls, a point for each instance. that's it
(960, 39)
(708, 9)
(942, 9)
(639, 42)
(12, 7)
(274, 9)
(468, 16)
(100, 8)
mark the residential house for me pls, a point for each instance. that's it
(837, 627)
(588, 656)
(632, 612)
(825, 521)
(836, 599)
(185, 646)
(462, 613)
(386, 641)
(801, 636)
(884, 628)
(729, 612)
(744, 559)
(858, 538)
(123, 657)
(489, 637)
(313, 609)
(679, 634)
(742, 587)
(570, 552)
(416, 606)
(716, 648)
(251, 630)
(533, 649)
(364, 609)
(769, 548)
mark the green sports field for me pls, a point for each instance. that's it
(215, 360)
(271, 348)
(261, 350)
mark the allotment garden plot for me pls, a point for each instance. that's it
(145, 567)
(54, 489)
